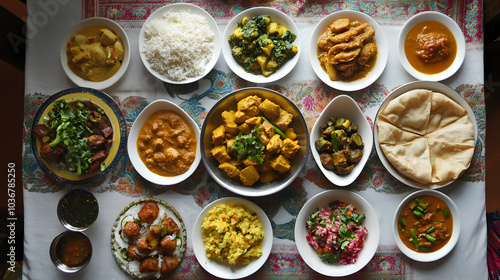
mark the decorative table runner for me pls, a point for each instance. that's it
(44, 77)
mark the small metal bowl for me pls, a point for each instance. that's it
(78, 209)
(71, 251)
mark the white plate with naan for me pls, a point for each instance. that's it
(425, 134)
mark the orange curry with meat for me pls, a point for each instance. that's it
(167, 143)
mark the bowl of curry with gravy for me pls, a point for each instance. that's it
(95, 53)
(426, 225)
(237, 147)
(431, 46)
(163, 143)
(348, 50)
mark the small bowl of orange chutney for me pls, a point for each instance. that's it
(426, 225)
(163, 143)
(71, 251)
(431, 46)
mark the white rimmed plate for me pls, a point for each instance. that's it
(433, 256)
(276, 16)
(371, 223)
(82, 25)
(194, 10)
(227, 271)
(380, 40)
(137, 162)
(119, 244)
(345, 107)
(452, 26)
(433, 86)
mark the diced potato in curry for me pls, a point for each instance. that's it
(95, 53)
(248, 147)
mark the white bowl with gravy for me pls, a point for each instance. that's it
(152, 167)
(85, 27)
(378, 62)
(432, 65)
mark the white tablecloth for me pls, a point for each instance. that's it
(48, 21)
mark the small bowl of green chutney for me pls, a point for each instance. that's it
(78, 209)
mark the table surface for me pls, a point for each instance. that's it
(44, 77)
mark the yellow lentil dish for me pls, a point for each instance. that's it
(255, 142)
(232, 234)
(425, 224)
(167, 144)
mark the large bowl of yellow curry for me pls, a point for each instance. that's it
(261, 45)
(254, 142)
(95, 53)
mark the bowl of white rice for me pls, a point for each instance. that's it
(179, 43)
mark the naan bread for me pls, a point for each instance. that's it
(426, 136)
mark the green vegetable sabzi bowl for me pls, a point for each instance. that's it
(116, 120)
(214, 119)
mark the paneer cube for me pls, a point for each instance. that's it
(280, 164)
(228, 118)
(230, 169)
(254, 121)
(274, 144)
(219, 135)
(290, 133)
(244, 128)
(269, 109)
(249, 105)
(249, 175)
(289, 148)
(241, 117)
(283, 120)
(220, 154)
(268, 177)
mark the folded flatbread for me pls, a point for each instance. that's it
(426, 136)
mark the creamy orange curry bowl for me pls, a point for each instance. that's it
(163, 143)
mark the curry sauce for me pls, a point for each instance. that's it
(95, 53)
(167, 144)
(430, 47)
(425, 224)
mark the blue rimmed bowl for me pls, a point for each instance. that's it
(117, 121)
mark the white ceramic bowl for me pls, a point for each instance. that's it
(434, 256)
(452, 26)
(214, 119)
(176, 8)
(436, 87)
(380, 40)
(343, 106)
(227, 271)
(371, 223)
(82, 25)
(138, 164)
(276, 16)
